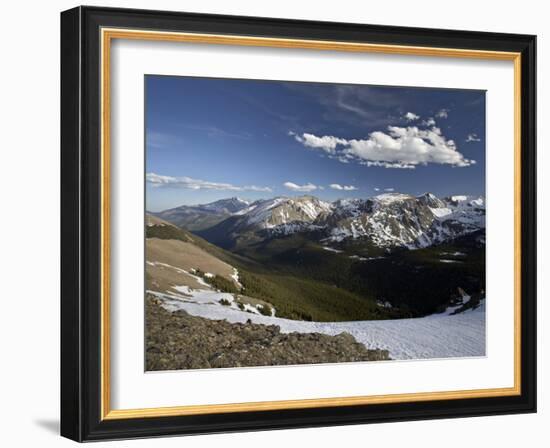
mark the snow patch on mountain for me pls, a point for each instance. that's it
(235, 277)
(441, 212)
(332, 249)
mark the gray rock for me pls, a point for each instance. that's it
(178, 340)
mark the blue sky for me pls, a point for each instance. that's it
(208, 139)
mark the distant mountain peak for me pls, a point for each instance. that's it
(202, 216)
(236, 199)
(431, 200)
(388, 198)
(229, 205)
(428, 195)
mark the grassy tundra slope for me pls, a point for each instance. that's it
(180, 263)
(292, 297)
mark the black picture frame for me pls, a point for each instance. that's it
(81, 224)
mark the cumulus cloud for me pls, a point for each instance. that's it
(410, 116)
(442, 113)
(429, 122)
(398, 147)
(158, 180)
(343, 187)
(389, 190)
(326, 143)
(306, 188)
(472, 138)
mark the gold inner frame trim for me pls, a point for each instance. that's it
(107, 35)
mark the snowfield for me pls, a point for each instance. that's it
(331, 249)
(436, 336)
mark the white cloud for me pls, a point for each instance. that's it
(429, 122)
(376, 189)
(410, 116)
(472, 138)
(442, 113)
(399, 147)
(389, 190)
(157, 180)
(326, 143)
(343, 187)
(302, 188)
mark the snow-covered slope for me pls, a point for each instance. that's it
(467, 210)
(435, 336)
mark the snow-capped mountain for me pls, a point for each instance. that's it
(279, 212)
(431, 200)
(468, 210)
(400, 220)
(229, 206)
(388, 220)
(268, 218)
(203, 216)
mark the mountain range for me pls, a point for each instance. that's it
(388, 221)
(202, 216)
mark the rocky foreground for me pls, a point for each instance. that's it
(180, 341)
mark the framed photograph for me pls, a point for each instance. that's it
(277, 224)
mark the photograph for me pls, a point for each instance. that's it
(293, 223)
